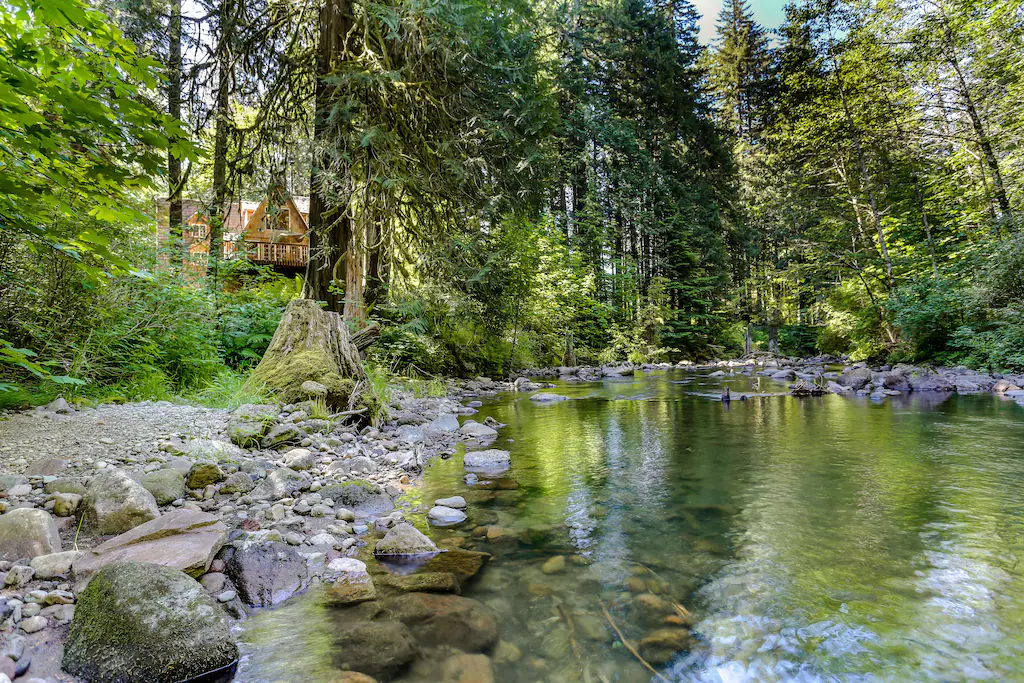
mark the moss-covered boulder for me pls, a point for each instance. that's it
(359, 495)
(203, 474)
(144, 622)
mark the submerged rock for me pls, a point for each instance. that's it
(468, 669)
(381, 649)
(660, 646)
(266, 572)
(144, 622)
(437, 619)
(426, 582)
(27, 532)
(544, 397)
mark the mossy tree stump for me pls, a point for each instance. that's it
(312, 344)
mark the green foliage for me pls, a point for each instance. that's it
(926, 312)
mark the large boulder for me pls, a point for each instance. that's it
(115, 503)
(27, 532)
(437, 619)
(166, 485)
(381, 649)
(492, 461)
(931, 383)
(186, 540)
(359, 495)
(856, 378)
(266, 572)
(404, 539)
(281, 483)
(144, 622)
(894, 379)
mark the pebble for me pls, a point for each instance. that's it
(227, 596)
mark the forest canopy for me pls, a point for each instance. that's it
(506, 184)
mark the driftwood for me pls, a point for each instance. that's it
(632, 650)
(366, 337)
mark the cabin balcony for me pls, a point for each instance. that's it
(271, 254)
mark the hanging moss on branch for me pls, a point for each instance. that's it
(314, 345)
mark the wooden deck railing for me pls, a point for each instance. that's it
(273, 254)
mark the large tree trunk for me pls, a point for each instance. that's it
(222, 116)
(312, 345)
(174, 111)
(330, 226)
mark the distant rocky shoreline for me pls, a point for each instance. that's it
(813, 375)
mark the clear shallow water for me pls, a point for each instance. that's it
(827, 538)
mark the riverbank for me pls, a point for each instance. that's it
(257, 504)
(265, 503)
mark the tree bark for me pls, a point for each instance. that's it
(222, 118)
(175, 218)
(376, 267)
(984, 141)
(330, 224)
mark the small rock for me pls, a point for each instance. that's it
(457, 502)
(468, 669)
(203, 474)
(33, 624)
(554, 565)
(66, 504)
(54, 564)
(404, 539)
(445, 516)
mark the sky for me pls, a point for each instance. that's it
(768, 13)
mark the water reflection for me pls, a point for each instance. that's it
(814, 539)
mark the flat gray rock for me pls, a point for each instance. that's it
(491, 461)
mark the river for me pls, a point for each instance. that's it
(831, 538)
